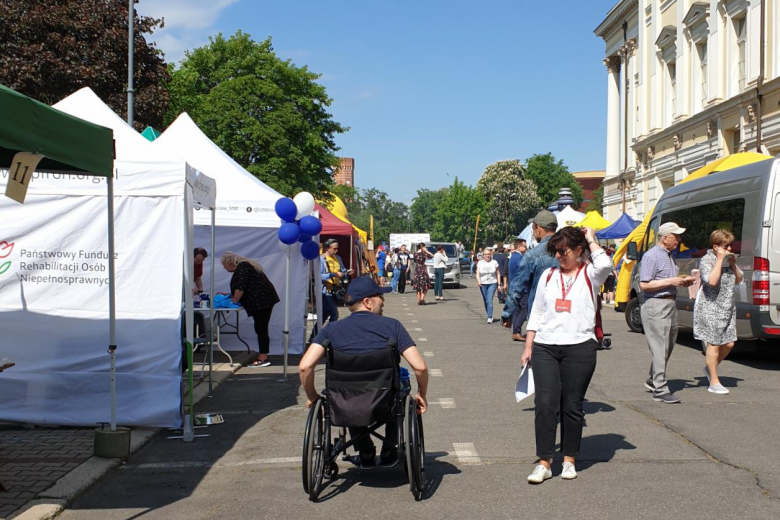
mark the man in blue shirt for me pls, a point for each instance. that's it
(532, 265)
(366, 330)
(521, 311)
(380, 263)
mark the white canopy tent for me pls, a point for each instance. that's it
(246, 224)
(53, 298)
(568, 216)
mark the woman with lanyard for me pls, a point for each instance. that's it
(562, 343)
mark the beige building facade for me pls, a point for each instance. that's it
(688, 82)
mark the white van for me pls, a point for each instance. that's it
(744, 200)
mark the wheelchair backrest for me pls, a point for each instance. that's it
(361, 387)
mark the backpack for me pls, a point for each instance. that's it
(598, 329)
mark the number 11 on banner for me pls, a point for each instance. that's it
(19, 175)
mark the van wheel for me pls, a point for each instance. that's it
(634, 316)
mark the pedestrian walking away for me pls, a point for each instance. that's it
(488, 279)
(659, 280)
(561, 340)
(421, 282)
(250, 287)
(523, 287)
(439, 265)
(715, 312)
(502, 261)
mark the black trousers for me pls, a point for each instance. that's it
(402, 281)
(366, 444)
(519, 315)
(562, 374)
(262, 318)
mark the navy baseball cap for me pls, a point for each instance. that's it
(364, 287)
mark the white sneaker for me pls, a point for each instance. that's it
(568, 473)
(539, 475)
(490, 320)
(718, 388)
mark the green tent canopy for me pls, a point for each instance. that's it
(151, 133)
(67, 142)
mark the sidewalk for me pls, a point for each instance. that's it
(44, 468)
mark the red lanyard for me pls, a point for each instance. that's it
(565, 292)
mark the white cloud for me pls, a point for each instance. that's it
(187, 23)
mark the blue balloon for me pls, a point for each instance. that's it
(304, 238)
(289, 233)
(286, 209)
(311, 225)
(310, 250)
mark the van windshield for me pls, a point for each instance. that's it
(449, 250)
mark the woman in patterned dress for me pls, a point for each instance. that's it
(715, 313)
(421, 282)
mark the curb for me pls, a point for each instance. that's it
(53, 501)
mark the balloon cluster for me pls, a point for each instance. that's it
(298, 224)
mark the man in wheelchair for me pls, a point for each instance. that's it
(366, 331)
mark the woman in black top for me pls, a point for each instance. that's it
(251, 288)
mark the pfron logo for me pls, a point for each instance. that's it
(5, 251)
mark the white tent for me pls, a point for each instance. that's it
(246, 224)
(53, 299)
(568, 216)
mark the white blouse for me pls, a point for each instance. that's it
(439, 260)
(487, 271)
(568, 328)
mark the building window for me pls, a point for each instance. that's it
(702, 52)
(740, 26)
(670, 94)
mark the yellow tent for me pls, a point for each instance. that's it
(736, 160)
(339, 209)
(594, 220)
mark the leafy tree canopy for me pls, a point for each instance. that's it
(266, 113)
(389, 216)
(550, 175)
(510, 199)
(597, 202)
(423, 211)
(52, 48)
(457, 213)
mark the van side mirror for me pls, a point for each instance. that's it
(632, 253)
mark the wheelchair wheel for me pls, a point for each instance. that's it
(415, 448)
(315, 450)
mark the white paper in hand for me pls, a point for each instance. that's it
(525, 383)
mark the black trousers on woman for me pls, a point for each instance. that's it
(562, 374)
(262, 318)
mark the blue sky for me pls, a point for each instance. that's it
(431, 89)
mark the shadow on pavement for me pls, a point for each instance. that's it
(601, 448)
(386, 478)
(167, 471)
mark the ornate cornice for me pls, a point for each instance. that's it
(613, 64)
(616, 16)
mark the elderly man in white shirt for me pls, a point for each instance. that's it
(562, 342)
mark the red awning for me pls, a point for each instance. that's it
(332, 225)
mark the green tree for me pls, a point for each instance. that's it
(266, 113)
(52, 48)
(423, 211)
(389, 216)
(510, 199)
(457, 213)
(597, 202)
(550, 175)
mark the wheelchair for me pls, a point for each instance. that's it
(361, 390)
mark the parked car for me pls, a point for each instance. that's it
(744, 200)
(452, 272)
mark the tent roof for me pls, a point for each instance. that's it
(332, 225)
(69, 143)
(594, 220)
(87, 105)
(622, 227)
(151, 133)
(569, 217)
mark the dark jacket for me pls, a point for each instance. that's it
(259, 292)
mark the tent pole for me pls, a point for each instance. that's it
(211, 295)
(317, 268)
(308, 300)
(188, 428)
(130, 67)
(112, 299)
(286, 331)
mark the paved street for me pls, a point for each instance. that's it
(711, 456)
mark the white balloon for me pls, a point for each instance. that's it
(304, 201)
